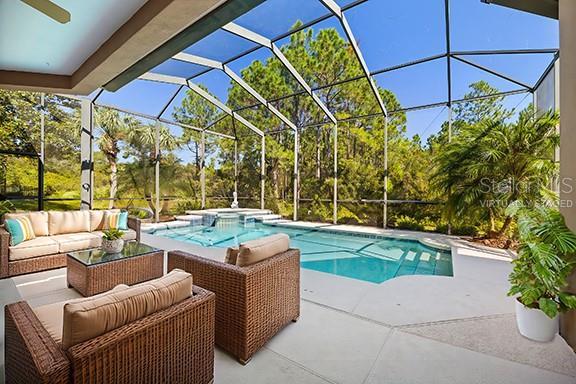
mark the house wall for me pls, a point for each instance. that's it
(568, 139)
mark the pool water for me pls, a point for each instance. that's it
(368, 258)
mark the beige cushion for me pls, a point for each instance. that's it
(89, 318)
(97, 221)
(76, 241)
(231, 255)
(38, 219)
(60, 222)
(257, 250)
(52, 315)
(129, 234)
(39, 246)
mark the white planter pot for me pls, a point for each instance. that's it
(112, 246)
(534, 324)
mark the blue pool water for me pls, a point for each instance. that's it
(369, 258)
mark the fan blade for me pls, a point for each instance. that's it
(50, 9)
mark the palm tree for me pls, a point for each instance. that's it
(141, 140)
(492, 163)
(113, 128)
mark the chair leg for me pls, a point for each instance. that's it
(244, 362)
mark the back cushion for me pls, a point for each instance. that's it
(38, 219)
(86, 319)
(257, 250)
(97, 219)
(68, 222)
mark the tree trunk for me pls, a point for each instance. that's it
(275, 181)
(505, 226)
(113, 182)
(318, 155)
(492, 222)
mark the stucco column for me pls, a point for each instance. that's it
(568, 139)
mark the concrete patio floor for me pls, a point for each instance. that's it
(411, 329)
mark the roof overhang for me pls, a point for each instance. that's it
(546, 8)
(155, 32)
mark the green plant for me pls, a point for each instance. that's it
(545, 259)
(5, 207)
(112, 234)
(491, 163)
(407, 222)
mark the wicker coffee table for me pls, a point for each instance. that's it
(94, 271)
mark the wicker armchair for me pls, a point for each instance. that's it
(175, 345)
(252, 303)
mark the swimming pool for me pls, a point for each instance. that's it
(370, 258)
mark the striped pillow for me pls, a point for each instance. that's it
(117, 220)
(20, 230)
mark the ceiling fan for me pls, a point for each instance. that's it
(50, 9)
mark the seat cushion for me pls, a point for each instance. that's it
(254, 251)
(97, 222)
(77, 241)
(52, 315)
(38, 219)
(85, 319)
(40, 246)
(60, 222)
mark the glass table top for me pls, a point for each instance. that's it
(98, 256)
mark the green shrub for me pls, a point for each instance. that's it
(188, 205)
(459, 229)
(407, 222)
(6, 206)
(346, 216)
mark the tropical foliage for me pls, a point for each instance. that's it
(545, 259)
(487, 141)
(491, 163)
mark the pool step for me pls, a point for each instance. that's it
(266, 218)
(177, 224)
(276, 221)
(192, 219)
(256, 213)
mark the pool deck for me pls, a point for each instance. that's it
(410, 329)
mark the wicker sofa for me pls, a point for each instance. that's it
(173, 344)
(253, 302)
(57, 232)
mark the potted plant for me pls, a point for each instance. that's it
(112, 241)
(538, 280)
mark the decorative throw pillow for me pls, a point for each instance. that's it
(20, 230)
(117, 220)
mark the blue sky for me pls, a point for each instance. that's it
(389, 32)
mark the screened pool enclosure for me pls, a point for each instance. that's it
(313, 108)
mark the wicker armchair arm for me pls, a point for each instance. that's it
(253, 302)
(4, 251)
(176, 343)
(135, 224)
(31, 355)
